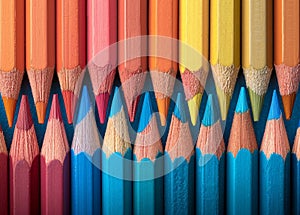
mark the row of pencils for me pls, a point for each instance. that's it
(67, 35)
(122, 176)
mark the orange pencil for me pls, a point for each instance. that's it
(71, 48)
(11, 53)
(40, 51)
(163, 51)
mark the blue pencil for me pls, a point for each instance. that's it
(85, 161)
(210, 163)
(274, 167)
(179, 164)
(148, 164)
(296, 174)
(116, 162)
(242, 162)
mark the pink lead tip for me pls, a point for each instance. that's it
(102, 103)
(55, 109)
(24, 120)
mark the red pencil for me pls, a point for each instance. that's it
(55, 165)
(3, 175)
(24, 165)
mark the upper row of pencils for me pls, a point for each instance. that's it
(63, 43)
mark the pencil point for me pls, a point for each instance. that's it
(146, 113)
(288, 104)
(242, 105)
(55, 109)
(163, 108)
(179, 110)
(69, 102)
(274, 112)
(85, 104)
(256, 104)
(116, 104)
(210, 115)
(41, 108)
(194, 106)
(132, 109)
(10, 107)
(224, 102)
(24, 120)
(102, 103)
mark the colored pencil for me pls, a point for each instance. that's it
(287, 51)
(132, 29)
(179, 164)
(296, 174)
(274, 166)
(148, 164)
(210, 163)
(194, 37)
(257, 50)
(102, 50)
(55, 165)
(163, 51)
(85, 161)
(225, 48)
(242, 162)
(116, 162)
(3, 175)
(24, 165)
(40, 51)
(12, 53)
(71, 48)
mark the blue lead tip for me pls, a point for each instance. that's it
(210, 114)
(274, 112)
(146, 113)
(85, 104)
(116, 104)
(242, 104)
(179, 110)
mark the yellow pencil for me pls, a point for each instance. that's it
(257, 56)
(193, 34)
(225, 48)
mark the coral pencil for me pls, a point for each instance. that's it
(193, 51)
(102, 50)
(179, 164)
(225, 48)
(4, 204)
(70, 48)
(40, 51)
(257, 49)
(85, 161)
(242, 162)
(24, 165)
(132, 29)
(55, 165)
(116, 162)
(12, 53)
(163, 51)
(287, 51)
(274, 166)
(148, 164)
(210, 163)
(296, 174)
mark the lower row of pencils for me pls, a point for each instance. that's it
(116, 179)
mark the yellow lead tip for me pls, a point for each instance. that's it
(194, 106)
(10, 107)
(256, 104)
(224, 102)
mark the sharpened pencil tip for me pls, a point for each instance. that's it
(41, 108)
(242, 105)
(163, 109)
(179, 110)
(132, 109)
(210, 115)
(256, 104)
(146, 113)
(288, 104)
(69, 102)
(85, 104)
(194, 106)
(274, 112)
(24, 120)
(55, 109)
(10, 107)
(102, 102)
(224, 102)
(116, 104)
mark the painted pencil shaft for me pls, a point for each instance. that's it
(4, 204)
(296, 174)
(116, 162)
(193, 51)
(242, 162)
(163, 51)
(287, 51)
(132, 29)
(210, 164)
(179, 164)
(71, 48)
(257, 49)
(102, 50)
(40, 51)
(12, 53)
(225, 48)
(55, 165)
(24, 165)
